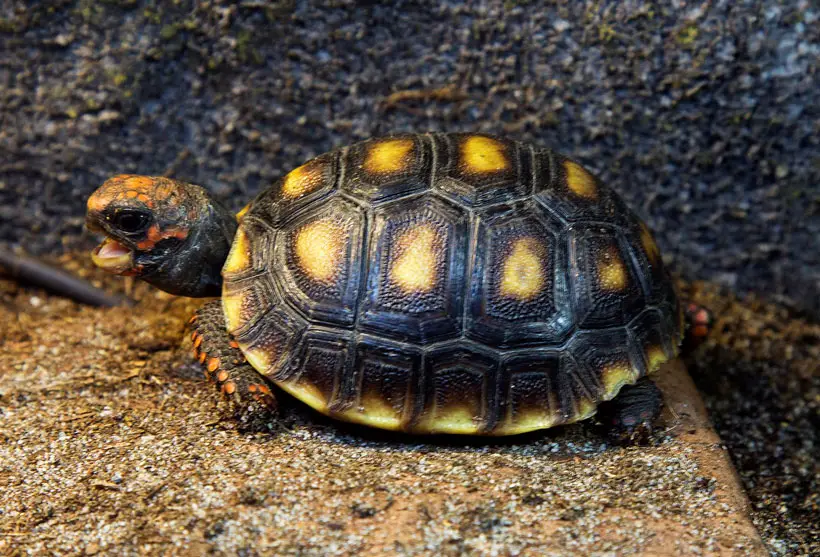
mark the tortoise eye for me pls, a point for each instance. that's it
(131, 221)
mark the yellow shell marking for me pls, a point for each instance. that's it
(389, 156)
(232, 308)
(244, 210)
(239, 258)
(260, 359)
(302, 180)
(483, 155)
(525, 421)
(523, 272)
(649, 245)
(307, 393)
(655, 356)
(415, 267)
(319, 248)
(374, 412)
(611, 271)
(614, 377)
(452, 420)
(580, 182)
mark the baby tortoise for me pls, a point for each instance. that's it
(430, 283)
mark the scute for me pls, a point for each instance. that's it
(519, 293)
(415, 280)
(379, 170)
(318, 261)
(606, 288)
(448, 283)
(479, 170)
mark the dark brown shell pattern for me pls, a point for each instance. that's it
(448, 283)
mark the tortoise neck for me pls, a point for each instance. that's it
(194, 267)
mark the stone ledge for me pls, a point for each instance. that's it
(110, 444)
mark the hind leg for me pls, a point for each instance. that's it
(225, 365)
(630, 416)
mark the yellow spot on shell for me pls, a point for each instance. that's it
(318, 249)
(614, 377)
(655, 356)
(302, 180)
(307, 393)
(239, 258)
(232, 308)
(452, 420)
(523, 271)
(611, 271)
(649, 245)
(483, 155)
(260, 359)
(374, 412)
(388, 156)
(244, 210)
(579, 181)
(416, 262)
(530, 420)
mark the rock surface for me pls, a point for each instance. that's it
(112, 443)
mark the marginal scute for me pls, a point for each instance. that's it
(483, 155)
(388, 156)
(459, 390)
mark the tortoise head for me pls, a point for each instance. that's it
(169, 233)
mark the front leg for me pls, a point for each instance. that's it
(630, 416)
(225, 365)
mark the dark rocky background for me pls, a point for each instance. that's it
(704, 115)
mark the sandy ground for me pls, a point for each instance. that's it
(111, 442)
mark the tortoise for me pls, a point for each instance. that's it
(428, 283)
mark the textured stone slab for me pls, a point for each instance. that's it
(110, 443)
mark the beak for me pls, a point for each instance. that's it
(113, 257)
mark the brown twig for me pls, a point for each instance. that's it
(58, 281)
(447, 93)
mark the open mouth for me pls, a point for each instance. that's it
(113, 257)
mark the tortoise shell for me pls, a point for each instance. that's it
(448, 283)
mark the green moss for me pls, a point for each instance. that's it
(245, 50)
(687, 35)
(606, 33)
(168, 32)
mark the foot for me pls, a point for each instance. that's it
(224, 364)
(629, 417)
